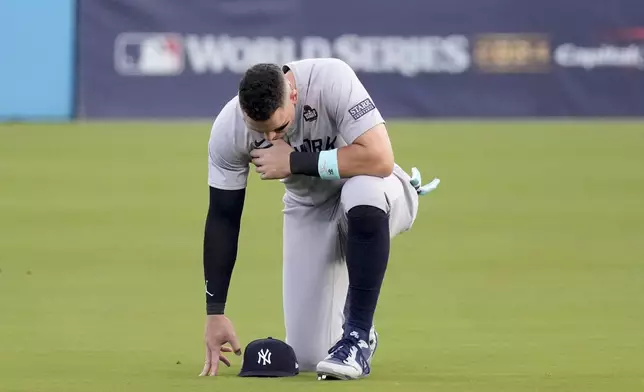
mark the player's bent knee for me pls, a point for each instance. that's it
(364, 190)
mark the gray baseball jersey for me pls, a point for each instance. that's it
(333, 109)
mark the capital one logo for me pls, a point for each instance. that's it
(264, 357)
(149, 54)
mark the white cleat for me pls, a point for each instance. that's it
(373, 343)
(349, 359)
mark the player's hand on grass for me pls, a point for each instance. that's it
(273, 163)
(219, 331)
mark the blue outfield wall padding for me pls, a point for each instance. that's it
(37, 61)
(426, 59)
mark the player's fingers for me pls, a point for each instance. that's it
(278, 141)
(226, 349)
(214, 368)
(258, 162)
(214, 365)
(234, 343)
(206, 369)
(206, 365)
(269, 175)
(225, 360)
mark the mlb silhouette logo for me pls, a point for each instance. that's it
(149, 54)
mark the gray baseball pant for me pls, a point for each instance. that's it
(315, 283)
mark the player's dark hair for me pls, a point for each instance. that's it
(261, 91)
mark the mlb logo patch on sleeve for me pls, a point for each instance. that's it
(361, 109)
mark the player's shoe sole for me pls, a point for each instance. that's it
(333, 377)
(329, 372)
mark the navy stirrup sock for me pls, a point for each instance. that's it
(367, 256)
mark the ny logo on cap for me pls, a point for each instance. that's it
(264, 357)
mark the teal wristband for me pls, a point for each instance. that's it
(328, 165)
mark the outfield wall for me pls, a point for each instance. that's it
(37, 59)
(419, 58)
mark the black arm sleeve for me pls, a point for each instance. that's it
(221, 235)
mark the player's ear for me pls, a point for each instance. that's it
(293, 96)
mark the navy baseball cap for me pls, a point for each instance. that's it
(269, 358)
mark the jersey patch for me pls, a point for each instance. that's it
(361, 109)
(310, 114)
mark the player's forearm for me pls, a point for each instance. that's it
(355, 160)
(369, 154)
(348, 161)
(221, 236)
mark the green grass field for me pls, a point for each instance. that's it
(524, 271)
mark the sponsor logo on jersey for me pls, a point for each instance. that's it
(258, 143)
(362, 108)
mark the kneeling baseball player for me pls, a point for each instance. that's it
(313, 125)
